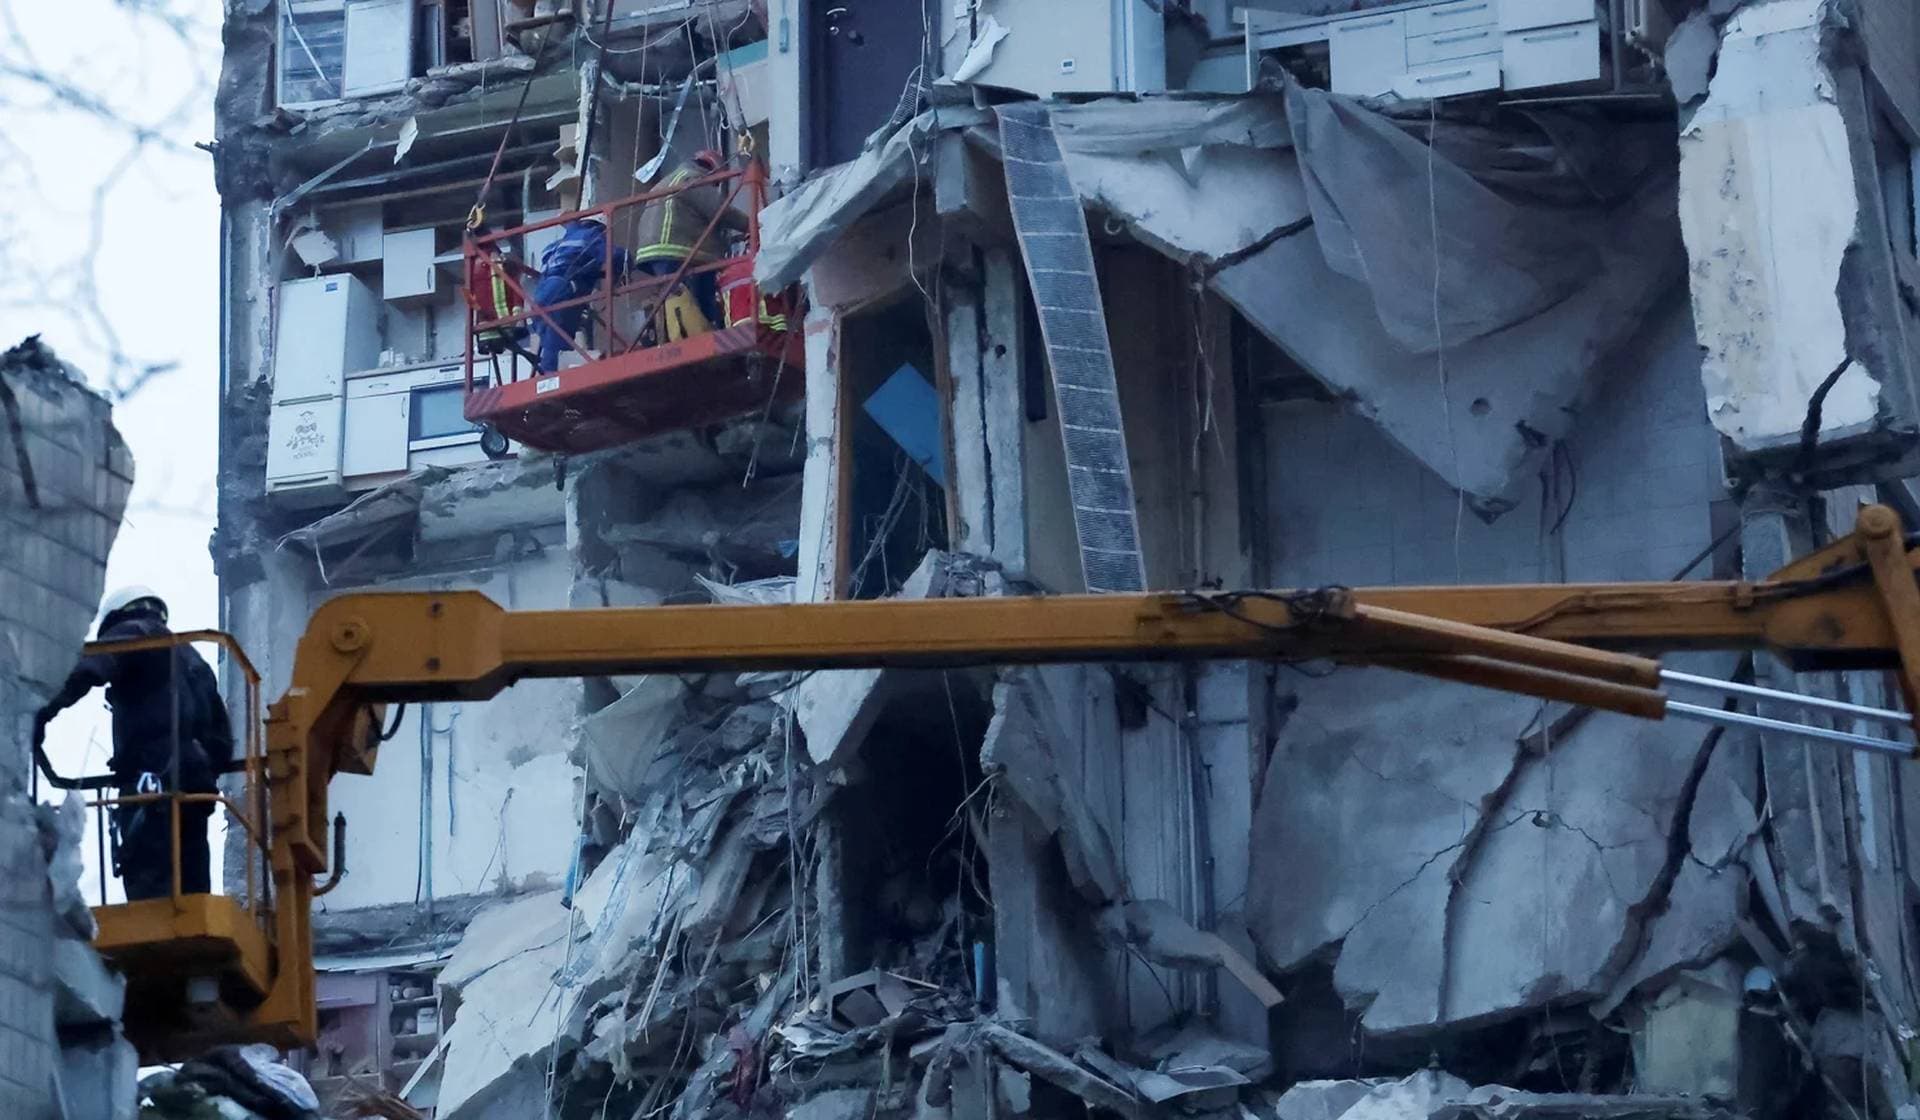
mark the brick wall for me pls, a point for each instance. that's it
(64, 479)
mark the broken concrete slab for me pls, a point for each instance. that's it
(501, 932)
(1562, 859)
(1499, 424)
(489, 498)
(620, 743)
(1689, 57)
(1020, 742)
(1201, 208)
(754, 528)
(1056, 1068)
(797, 227)
(1495, 1102)
(65, 826)
(1321, 1100)
(628, 903)
(835, 1104)
(86, 992)
(1158, 932)
(836, 709)
(1415, 1097)
(1434, 1095)
(1191, 1088)
(1193, 1044)
(1577, 860)
(1703, 910)
(866, 998)
(722, 879)
(508, 1009)
(1768, 265)
(97, 1076)
(1323, 869)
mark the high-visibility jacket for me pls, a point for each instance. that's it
(671, 226)
(488, 292)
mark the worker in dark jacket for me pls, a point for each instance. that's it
(155, 695)
(671, 227)
(571, 267)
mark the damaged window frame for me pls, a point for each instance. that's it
(430, 43)
(292, 42)
(1898, 160)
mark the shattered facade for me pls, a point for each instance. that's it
(1101, 296)
(64, 479)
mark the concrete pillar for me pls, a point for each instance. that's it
(1781, 209)
(820, 497)
(787, 103)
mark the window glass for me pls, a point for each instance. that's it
(313, 40)
(437, 412)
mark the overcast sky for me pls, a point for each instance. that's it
(157, 276)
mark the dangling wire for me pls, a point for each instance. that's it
(477, 216)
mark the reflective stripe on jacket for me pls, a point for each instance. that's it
(671, 226)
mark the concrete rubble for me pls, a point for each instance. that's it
(64, 479)
(1654, 326)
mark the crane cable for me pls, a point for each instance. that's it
(585, 154)
(477, 216)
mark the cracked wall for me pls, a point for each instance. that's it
(64, 479)
(1452, 864)
(1554, 852)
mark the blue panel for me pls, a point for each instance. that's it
(908, 410)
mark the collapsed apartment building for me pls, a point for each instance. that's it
(1098, 296)
(65, 475)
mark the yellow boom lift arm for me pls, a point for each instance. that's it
(1852, 605)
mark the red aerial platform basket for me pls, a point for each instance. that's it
(626, 389)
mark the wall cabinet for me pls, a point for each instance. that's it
(1456, 47)
(1551, 56)
(1520, 15)
(407, 268)
(1368, 53)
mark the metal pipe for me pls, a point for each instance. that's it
(1617, 15)
(1426, 636)
(339, 856)
(173, 767)
(1881, 715)
(1702, 714)
(101, 823)
(1546, 684)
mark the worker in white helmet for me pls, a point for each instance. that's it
(153, 694)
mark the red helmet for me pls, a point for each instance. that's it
(709, 159)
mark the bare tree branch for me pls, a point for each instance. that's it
(142, 75)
